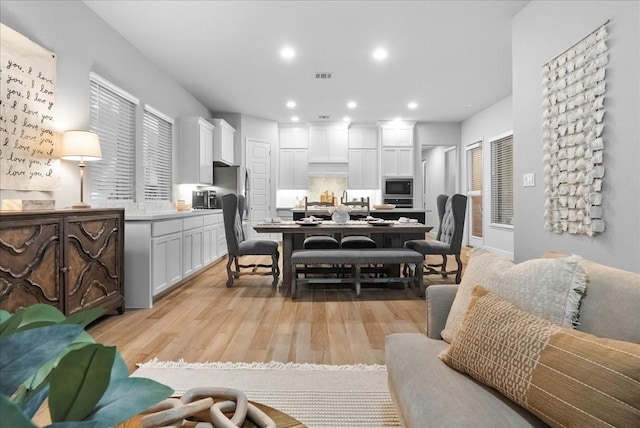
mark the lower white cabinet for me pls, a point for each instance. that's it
(166, 261)
(161, 253)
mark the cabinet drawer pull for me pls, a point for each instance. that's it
(65, 269)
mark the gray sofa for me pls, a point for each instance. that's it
(427, 393)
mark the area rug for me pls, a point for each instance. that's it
(317, 395)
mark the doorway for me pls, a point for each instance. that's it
(474, 193)
(258, 190)
(440, 176)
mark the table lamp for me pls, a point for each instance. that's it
(81, 146)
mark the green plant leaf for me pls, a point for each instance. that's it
(37, 315)
(85, 317)
(12, 416)
(35, 399)
(4, 315)
(126, 398)
(23, 353)
(79, 381)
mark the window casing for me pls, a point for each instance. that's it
(113, 118)
(502, 180)
(157, 146)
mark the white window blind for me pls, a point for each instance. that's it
(157, 144)
(113, 118)
(502, 180)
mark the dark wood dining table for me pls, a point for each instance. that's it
(395, 234)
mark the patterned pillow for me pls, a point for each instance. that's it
(548, 288)
(563, 376)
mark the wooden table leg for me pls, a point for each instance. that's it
(287, 251)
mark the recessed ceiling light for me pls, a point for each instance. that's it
(412, 105)
(291, 104)
(287, 53)
(352, 104)
(380, 54)
(294, 119)
(346, 119)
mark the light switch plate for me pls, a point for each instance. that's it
(528, 180)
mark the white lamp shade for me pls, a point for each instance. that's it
(81, 146)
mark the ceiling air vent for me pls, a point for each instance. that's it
(323, 116)
(324, 75)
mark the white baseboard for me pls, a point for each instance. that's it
(506, 254)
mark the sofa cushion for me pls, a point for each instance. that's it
(565, 377)
(549, 288)
(428, 393)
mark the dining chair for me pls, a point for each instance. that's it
(358, 241)
(238, 246)
(318, 242)
(451, 211)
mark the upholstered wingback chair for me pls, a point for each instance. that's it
(238, 246)
(452, 211)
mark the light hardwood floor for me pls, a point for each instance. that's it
(204, 321)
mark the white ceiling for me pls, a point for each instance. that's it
(451, 57)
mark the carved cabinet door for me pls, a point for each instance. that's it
(94, 262)
(30, 263)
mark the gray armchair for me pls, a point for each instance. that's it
(237, 245)
(452, 211)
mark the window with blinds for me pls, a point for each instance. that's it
(502, 180)
(113, 118)
(157, 143)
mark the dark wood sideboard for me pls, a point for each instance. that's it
(71, 259)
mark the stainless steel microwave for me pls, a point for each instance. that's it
(398, 188)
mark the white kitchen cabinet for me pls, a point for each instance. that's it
(397, 137)
(363, 169)
(222, 241)
(328, 144)
(210, 238)
(223, 148)
(363, 137)
(294, 137)
(166, 261)
(293, 170)
(397, 161)
(192, 258)
(196, 150)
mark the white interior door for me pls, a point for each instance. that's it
(475, 230)
(259, 167)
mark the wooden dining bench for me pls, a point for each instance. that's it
(356, 259)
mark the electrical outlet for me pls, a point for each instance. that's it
(528, 180)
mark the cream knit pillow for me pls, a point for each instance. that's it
(548, 288)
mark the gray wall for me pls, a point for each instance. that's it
(83, 42)
(540, 32)
(484, 126)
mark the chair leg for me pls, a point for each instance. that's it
(444, 266)
(459, 271)
(229, 273)
(294, 279)
(419, 279)
(274, 269)
(357, 280)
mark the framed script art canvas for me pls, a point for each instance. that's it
(29, 143)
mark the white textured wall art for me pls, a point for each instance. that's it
(573, 113)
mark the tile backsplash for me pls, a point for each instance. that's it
(320, 184)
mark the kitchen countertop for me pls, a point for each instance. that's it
(166, 215)
(393, 210)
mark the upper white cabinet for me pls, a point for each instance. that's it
(397, 151)
(293, 172)
(363, 137)
(294, 137)
(223, 142)
(397, 162)
(397, 137)
(196, 150)
(328, 143)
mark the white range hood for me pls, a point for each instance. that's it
(329, 169)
